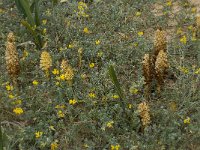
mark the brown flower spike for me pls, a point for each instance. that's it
(147, 73)
(160, 41)
(143, 109)
(11, 57)
(161, 66)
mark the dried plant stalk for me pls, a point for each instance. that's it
(12, 59)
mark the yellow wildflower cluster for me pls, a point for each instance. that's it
(91, 65)
(115, 147)
(110, 124)
(35, 82)
(9, 87)
(187, 120)
(183, 39)
(92, 95)
(18, 111)
(38, 134)
(82, 7)
(60, 114)
(72, 101)
(115, 96)
(54, 145)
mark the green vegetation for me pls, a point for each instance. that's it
(87, 91)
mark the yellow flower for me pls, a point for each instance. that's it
(193, 10)
(86, 30)
(116, 147)
(54, 145)
(133, 90)
(25, 54)
(110, 124)
(91, 65)
(197, 71)
(38, 134)
(55, 71)
(9, 87)
(92, 95)
(60, 114)
(60, 106)
(82, 6)
(190, 27)
(11, 96)
(70, 45)
(183, 39)
(44, 21)
(35, 82)
(44, 31)
(62, 76)
(169, 3)
(141, 33)
(115, 96)
(72, 101)
(97, 42)
(184, 70)
(187, 120)
(18, 111)
(138, 13)
(130, 106)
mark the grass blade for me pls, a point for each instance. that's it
(115, 81)
(26, 7)
(117, 85)
(37, 15)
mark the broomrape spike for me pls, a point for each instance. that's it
(11, 57)
(161, 66)
(198, 21)
(147, 73)
(67, 70)
(143, 109)
(45, 62)
(160, 43)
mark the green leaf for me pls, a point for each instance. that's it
(20, 8)
(115, 81)
(24, 6)
(117, 85)
(37, 15)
